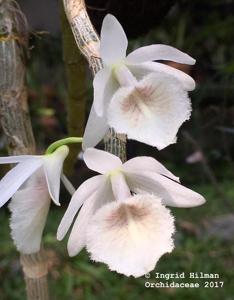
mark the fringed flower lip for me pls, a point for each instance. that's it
(133, 93)
(27, 165)
(130, 235)
(141, 175)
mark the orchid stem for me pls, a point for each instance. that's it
(59, 143)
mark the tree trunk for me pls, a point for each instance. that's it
(16, 123)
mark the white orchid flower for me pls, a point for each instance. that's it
(31, 183)
(29, 208)
(112, 222)
(146, 100)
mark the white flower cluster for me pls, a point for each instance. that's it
(121, 215)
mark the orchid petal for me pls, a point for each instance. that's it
(77, 237)
(143, 69)
(171, 192)
(29, 208)
(146, 163)
(85, 190)
(68, 185)
(114, 42)
(102, 83)
(159, 52)
(101, 161)
(16, 177)
(17, 158)
(53, 165)
(95, 130)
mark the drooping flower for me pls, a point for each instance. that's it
(106, 201)
(31, 183)
(29, 208)
(146, 100)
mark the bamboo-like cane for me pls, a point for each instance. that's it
(16, 123)
(88, 42)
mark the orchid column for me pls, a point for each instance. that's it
(16, 122)
(88, 42)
